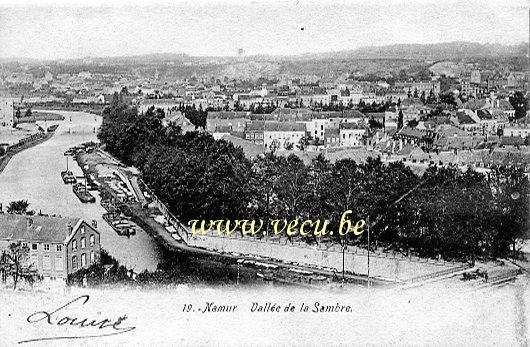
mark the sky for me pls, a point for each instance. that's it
(65, 29)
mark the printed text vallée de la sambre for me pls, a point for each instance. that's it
(268, 307)
(295, 227)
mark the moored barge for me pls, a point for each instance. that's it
(82, 193)
(68, 177)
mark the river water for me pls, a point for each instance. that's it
(34, 175)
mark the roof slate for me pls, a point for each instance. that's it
(35, 228)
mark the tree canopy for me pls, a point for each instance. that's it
(448, 212)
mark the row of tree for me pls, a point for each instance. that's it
(450, 213)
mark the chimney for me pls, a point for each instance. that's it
(94, 223)
(70, 227)
(29, 222)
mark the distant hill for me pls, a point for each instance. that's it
(436, 51)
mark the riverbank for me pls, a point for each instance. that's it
(39, 116)
(13, 150)
(86, 108)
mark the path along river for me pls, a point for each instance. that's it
(34, 175)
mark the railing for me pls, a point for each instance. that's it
(505, 275)
(181, 230)
(439, 273)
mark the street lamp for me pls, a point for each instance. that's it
(368, 231)
(239, 261)
(515, 196)
(343, 251)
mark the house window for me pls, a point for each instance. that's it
(83, 260)
(46, 247)
(58, 264)
(74, 262)
(74, 245)
(46, 264)
(92, 257)
(92, 240)
(59, 248)
(34, 246)
(83, 229)
(83, 242)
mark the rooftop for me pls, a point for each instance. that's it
(275, 126)
(413, 132)
(35, 228)
(351, 126)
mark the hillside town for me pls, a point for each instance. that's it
(449, 112)
(265, 172)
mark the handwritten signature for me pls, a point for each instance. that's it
(56, 318)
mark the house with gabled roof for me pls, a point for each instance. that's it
(57, 246)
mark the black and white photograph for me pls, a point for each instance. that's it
(265, 173)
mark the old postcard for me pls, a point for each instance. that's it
(265, 173)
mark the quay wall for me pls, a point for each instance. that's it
(382, 265)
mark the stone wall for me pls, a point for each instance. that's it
(382, 265)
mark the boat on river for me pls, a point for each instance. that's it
(52, 128)
(82, 193)
(121, 225)
(68, 177)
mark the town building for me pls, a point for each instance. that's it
(316, 128)
(7, 113)
(420, 86)
(167, 105)
(233, 124)
(57, 246)
(332, 137)
(281, 134)
(517, 129)
(412, 136)
(351, 134)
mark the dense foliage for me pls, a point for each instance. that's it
(446, 212)
(175, 268)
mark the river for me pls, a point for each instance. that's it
(34, 175)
